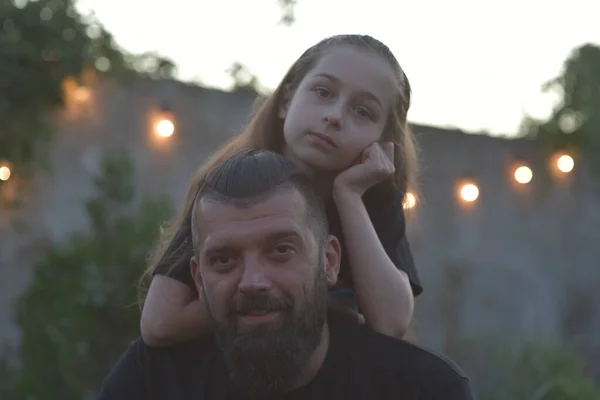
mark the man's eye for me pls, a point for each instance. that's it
(284, 249)
(220, 260)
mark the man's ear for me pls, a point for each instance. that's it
(195, 270)
(333, 258)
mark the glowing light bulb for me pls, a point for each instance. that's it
(81, 94)
(165, 128)
(523, 175)
(410, 201)
(565, 163)
(4, 173)
(469, 192)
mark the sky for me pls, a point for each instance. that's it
(473, 65)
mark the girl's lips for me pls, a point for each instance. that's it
(323, 138)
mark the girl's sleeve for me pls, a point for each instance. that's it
(384, 206)
(176, 262)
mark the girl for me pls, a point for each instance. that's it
(340, 114)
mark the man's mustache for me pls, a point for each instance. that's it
(259, 303)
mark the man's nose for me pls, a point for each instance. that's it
(254, 277)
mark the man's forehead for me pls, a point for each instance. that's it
(284, 210)
(285, 200)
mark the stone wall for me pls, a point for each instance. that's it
(521, 260)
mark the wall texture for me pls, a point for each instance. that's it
(521, 260)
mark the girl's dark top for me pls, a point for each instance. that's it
(384, 206)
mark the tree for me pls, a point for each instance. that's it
(43, 43)
(575, 121)
(288, 11)
(243, 80)
(79, 311)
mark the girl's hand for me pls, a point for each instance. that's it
(375, 164)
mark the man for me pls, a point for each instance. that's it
(263, 263)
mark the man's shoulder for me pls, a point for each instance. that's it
(167, 355)
(416, 356)
(397, 357)
(171, 364)
(155, 372)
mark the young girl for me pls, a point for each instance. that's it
(340, 114)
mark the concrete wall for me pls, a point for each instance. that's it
(521, 260)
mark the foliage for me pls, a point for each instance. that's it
(575, 121)
(287, 8)
(531, 370)
(45, 42)
(79, 312)
(243, 80)
(42, 43)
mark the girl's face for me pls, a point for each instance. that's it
(340, 107)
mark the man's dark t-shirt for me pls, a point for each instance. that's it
(360, 364)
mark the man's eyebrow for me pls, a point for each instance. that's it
(216, 249)
(271, 237)
(285, 234)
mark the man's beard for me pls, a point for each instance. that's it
(270, 358)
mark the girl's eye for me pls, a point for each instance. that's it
(362, 112)
(322, 92)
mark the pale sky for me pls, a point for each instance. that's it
(473, 64)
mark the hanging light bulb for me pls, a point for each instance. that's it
(565, 163)
(164, 128)
(4, 173)
(523, 175)
(468, 192)
(163, 119)
(410, 201)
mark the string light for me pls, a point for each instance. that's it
(565, 163)
(165, 128)
(523, 175)
(74, 92)
(78, 98)
(410, 201)
(81, 94)
(163, 120)
(469, 192)
(4, 173)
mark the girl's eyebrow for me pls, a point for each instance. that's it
(365, 93)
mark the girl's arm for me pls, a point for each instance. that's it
(172, 313)
(384, 293)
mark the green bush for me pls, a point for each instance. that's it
(531, 371)
(79, 311)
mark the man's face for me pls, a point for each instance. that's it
(264, 276)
